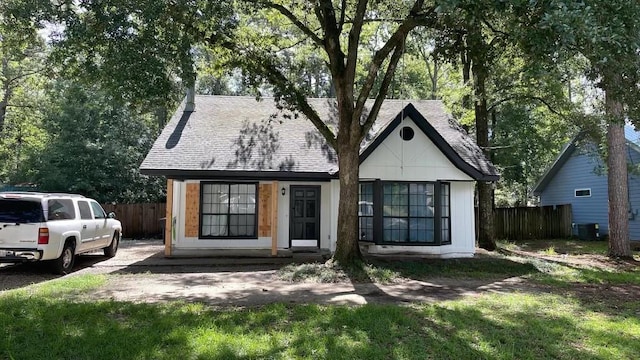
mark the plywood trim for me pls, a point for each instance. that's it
(168, 219)
(264, 210)
(192, 210)
(274, 218)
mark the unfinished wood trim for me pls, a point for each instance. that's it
(168, 240)
(192, 210)
(274, 218)
(264, 210)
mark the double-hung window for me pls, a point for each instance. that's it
(228, 210)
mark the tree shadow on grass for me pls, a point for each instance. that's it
(120, 330)
(20, 275)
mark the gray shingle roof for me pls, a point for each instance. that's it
(228, 134)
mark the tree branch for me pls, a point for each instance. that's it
(384, 87)
(522, 97)
(343, 14)
(414, 19)
(354, 41)
(294, 19)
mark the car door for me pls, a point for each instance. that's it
(102, 233)
(87, 226)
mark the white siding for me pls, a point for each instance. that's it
(416, 160)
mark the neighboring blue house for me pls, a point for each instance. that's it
(578, 177)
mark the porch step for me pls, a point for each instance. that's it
(305, 250)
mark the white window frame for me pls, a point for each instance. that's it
(575, 192)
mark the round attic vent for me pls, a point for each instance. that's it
(406, 133)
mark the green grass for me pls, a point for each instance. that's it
(44, 324)
(554, 247)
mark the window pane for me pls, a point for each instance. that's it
(366, 228)
(61, 209)
(395, 230)
(445, 199)
(396, 199)
(98, 212)
(214, 225)
(421, 230)
(85, 210)
(242, 225)
(446, 231)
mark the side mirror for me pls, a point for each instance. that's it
(111, 215)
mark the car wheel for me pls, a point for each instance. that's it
(110, 251)
(64, 263)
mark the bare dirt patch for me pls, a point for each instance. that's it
(140, 273)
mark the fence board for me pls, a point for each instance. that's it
(518, 223)
(525, 223)
(139, 220)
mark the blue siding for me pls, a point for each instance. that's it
(634, 196)
(579, 172)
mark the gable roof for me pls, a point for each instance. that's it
(632, 138)
(240, 138)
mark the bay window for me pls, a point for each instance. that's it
(407, 213)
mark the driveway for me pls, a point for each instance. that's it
(140, 273)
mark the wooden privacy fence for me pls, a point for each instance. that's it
(523, 223)
(139, 220)
(518, 223)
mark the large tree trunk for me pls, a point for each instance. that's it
(347, 248)
(619, 245)
(485, 191)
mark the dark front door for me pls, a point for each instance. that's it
(305, 216)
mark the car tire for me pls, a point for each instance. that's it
(64, 263)
(110, 251)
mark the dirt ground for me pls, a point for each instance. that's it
(144, 275)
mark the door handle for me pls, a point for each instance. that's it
(84, 226)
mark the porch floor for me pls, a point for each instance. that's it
(303, 254)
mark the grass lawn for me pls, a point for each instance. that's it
(46, 321)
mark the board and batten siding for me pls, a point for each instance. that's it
(420, 160)
(415, 160)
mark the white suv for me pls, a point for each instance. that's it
(54, 227)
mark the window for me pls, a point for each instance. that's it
(228, 210)
(405, 213)
(60, 209)
(445, 214)
(98, 212)
(583, 192)
(85, 210)
(20, 211)
(365, 212)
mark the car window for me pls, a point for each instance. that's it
(98, 211)
(60, 209)
(85, 210)
(21, 211)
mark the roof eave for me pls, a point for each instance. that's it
(180, 174)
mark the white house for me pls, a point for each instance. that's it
(244, 175)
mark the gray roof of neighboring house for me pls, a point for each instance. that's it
(239, 137)
(633, 140)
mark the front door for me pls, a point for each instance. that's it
(304, 228)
